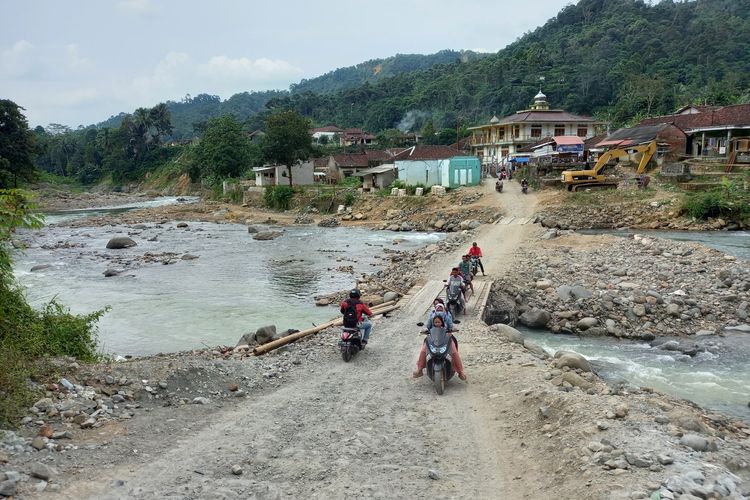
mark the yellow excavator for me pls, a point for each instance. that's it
(594, 178)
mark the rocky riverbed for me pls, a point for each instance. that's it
(531, 424)
(639, 287)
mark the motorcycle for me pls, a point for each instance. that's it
(439, 362)
(499, 187)
(524, 188)
(474, 265)
(351, 342)
(453, 302)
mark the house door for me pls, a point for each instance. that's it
(469, 176)
(463, 177)
(456, 181)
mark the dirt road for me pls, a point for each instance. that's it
(355, 430)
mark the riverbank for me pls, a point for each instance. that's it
(300, 422)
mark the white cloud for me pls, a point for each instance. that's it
(16, 61)
(137, 7)
(177, 74)
(74, 59)
(244, 69)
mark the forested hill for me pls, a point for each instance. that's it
(619, 59)
(379, 69)
(192, 112)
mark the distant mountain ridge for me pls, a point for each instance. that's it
(619, 60)
(378, 69)
(193, 110)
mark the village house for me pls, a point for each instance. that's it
(712, 131)
(330, 134)
(498, 140)
(671, 140)
(437, 165)
(378, 177)
(277, 175)
(343, 165)
(356, 136)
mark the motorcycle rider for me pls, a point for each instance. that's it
(524, 185)
(499, 185)
(458, 366)
(361, 309)
(456, 280)
(465, 268)
(476, 252)
(439, 310)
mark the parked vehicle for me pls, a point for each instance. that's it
(350, 343)
(439, 362)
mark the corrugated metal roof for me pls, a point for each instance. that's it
(567, 140)
(376, 170)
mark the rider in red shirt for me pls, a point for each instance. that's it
(361, 308)
(475, 251)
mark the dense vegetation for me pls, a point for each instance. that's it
(29, 338)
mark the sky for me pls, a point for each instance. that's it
(78, 62)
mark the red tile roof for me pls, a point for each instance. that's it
(726, 116)
(351, 160)
(328, 128)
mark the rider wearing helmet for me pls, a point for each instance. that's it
(361, 308)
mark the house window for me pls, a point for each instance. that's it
(536, 131)
(559, 129)
(516, 131)
(500, 134)
(583, 130)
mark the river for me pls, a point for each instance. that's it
(718, 378)
(235, 286)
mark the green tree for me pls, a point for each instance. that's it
(428, 133)
(16, 146)
(224, 150)
(287, 139)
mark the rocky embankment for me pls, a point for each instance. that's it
(637, 287)
(641, 444)
(659, 214)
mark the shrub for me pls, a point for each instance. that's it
(29, 337)
(279, 197)
(730, 201)
(349, 198)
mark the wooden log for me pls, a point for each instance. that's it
(274, 344)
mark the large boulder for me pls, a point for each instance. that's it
(265, 334)
(389, 296)
(535, 349)
(572, 360)
(119, 242)
(508, 333)
(535, 318)
(267, 235)
(501, 308)
(247, 339)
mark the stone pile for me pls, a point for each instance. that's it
(639, 287)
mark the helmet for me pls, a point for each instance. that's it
(354, 293)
